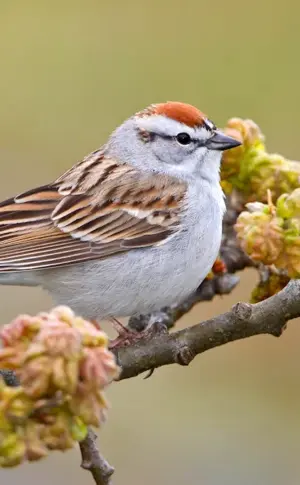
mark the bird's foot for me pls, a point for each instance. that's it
(127, 337)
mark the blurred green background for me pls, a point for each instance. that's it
(70, 72)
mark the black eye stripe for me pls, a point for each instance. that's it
(196, 141)
(172, 137)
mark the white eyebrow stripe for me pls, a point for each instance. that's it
(161, 125)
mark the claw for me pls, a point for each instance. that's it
(127, 337)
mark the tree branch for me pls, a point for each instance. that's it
(93, 461)
(244, 320)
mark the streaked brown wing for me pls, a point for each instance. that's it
(97, 209)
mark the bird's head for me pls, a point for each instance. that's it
(174, 138)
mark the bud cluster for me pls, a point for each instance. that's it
(270, 234)
(63, 364)
(253, 171)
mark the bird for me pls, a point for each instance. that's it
(134, 226)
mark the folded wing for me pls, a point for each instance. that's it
(97, 209)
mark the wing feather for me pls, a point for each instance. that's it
(97, 209)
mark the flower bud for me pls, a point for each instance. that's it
(261, 235)
(62, 363)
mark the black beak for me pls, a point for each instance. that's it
(220, 141)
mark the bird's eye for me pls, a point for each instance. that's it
(183, 138)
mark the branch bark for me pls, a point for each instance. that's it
(93, 461)
(244, 320)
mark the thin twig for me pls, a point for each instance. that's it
(93, 461)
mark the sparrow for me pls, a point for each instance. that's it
(133, 227)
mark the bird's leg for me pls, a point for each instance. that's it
(124, 333)
(127, 337)
(119, 327)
